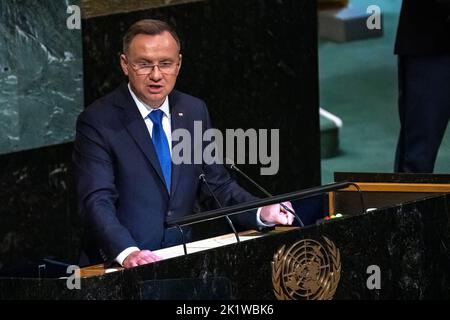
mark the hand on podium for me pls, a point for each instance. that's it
(269, 215)
(277, 214)
(138, 258)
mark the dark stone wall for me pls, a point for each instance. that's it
(255, 64)
(38, 216)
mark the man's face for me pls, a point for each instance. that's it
(152, 85)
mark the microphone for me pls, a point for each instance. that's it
(202, 178)
(232, 166)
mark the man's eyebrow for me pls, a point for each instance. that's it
(140, 60)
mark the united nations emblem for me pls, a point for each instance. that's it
(308, 270)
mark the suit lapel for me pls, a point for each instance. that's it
(177, 121)
(135, 125)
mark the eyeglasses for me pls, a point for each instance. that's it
(144, 68)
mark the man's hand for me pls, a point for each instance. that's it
(138, 258)
(275, 213)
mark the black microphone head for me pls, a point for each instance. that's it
(230, 164)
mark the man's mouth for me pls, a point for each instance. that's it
(155, 88)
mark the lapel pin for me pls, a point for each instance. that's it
(180, 114)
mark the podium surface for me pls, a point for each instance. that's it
(178, 251)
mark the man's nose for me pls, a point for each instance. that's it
(156, 74)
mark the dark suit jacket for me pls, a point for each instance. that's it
(424, 27)
(122, 197)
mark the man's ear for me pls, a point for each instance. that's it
(179, 63)
(181, 59)
(123, 64)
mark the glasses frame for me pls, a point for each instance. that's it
(153, 66)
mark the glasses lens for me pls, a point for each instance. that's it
(164, 68)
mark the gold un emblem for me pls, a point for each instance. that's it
(306, 271)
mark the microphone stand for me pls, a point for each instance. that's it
(202, 178)
(267, 193)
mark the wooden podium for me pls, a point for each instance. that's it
(382, 190)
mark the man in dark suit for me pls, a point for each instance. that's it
(127, 183)
(423, 49)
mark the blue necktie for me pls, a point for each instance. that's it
(161, 145)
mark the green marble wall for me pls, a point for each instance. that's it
(41, 88)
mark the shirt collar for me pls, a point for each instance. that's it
(145, 109)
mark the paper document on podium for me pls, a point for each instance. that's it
(177, 251)
(202, 245)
